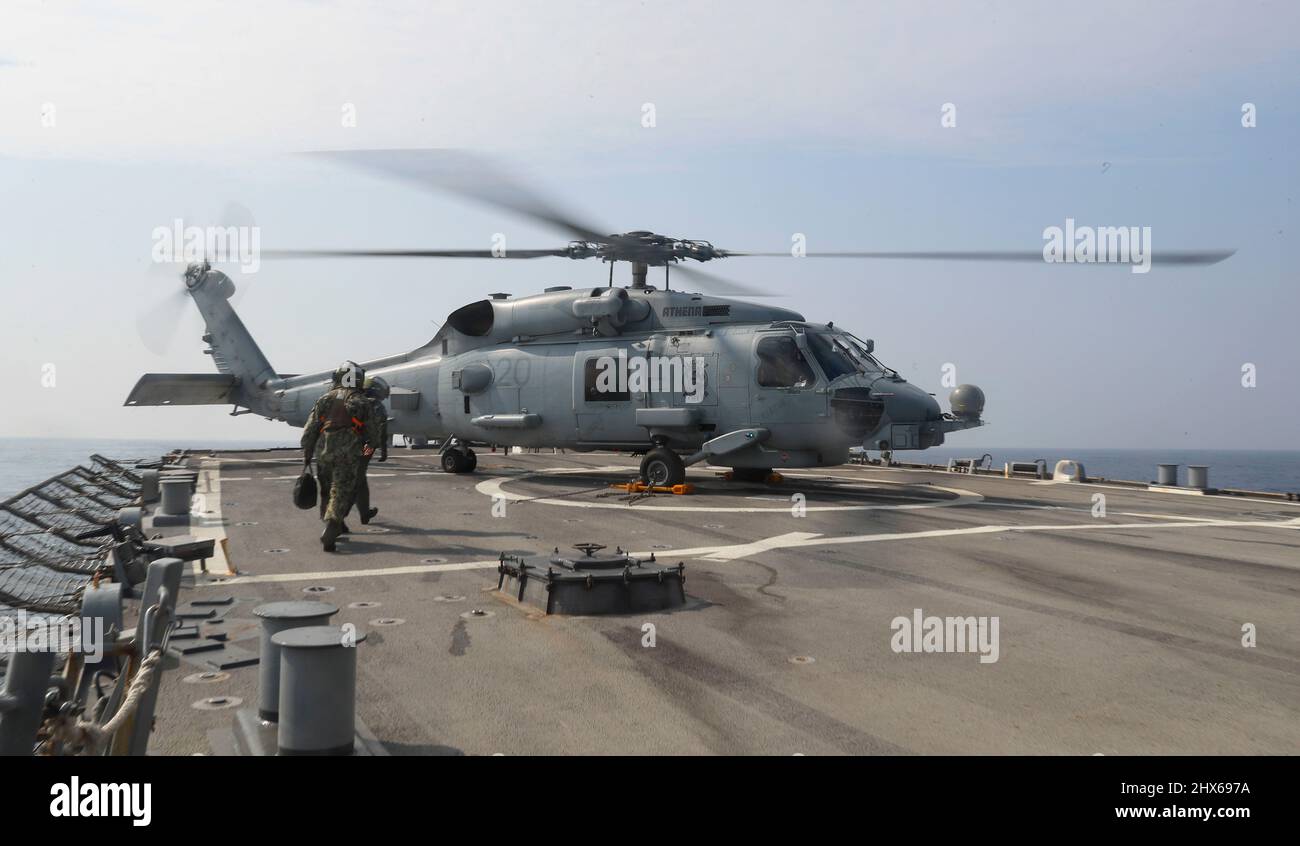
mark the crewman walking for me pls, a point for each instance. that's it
(376, 392)
(343, 417)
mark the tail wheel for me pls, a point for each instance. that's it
(662, 467)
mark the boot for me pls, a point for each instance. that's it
(345, 530)
(333, 528)
(368, 515)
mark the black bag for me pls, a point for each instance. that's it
(304, 490)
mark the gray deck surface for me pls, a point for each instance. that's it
(1118, 635)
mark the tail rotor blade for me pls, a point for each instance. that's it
(157, 324)
(236, 217)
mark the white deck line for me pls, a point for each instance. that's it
(789, 540)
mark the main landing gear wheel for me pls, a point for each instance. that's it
(457, 461)
(750, 474)
(662, 468)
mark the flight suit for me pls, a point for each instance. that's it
(339, 427)
(379, 414)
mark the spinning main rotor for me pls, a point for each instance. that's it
(466, 175)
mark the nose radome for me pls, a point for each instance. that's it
(910, 404)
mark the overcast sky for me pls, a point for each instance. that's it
(769, 119)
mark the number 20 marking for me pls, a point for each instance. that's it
(513, 372)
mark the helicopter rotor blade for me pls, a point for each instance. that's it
(467, 175)
(471, 176)
(240, 217)
(506, 254)
(1172, 257)
(710, 284)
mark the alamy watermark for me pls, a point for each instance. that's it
(74, 798)
(678, 374)
(190, 244)
(946, 634)
(22, 633)
(1098, 244)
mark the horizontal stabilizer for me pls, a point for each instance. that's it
(185, 389)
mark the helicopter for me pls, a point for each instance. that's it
(679, 377)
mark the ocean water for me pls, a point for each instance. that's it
(26, 461)
(1244, 469)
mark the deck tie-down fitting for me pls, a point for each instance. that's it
(591, 583)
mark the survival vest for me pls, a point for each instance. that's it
(338, 417)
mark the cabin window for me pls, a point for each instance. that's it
(781, 363)
(602, 386)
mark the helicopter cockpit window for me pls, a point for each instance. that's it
(781, 364)
(870, 364)
(835, 358)
(842, 354)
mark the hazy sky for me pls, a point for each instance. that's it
(770, 119)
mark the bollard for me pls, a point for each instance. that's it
(1069, 470)
(22, 702)
(278, 617)
(318, 690)
(175, 497)
(130, 517)
(1198, 476)
(1167, 474)
(149, 486)
(101, 602)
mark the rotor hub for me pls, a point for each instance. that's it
(644, 247)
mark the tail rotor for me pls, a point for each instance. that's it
(179, 259)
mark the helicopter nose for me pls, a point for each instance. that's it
(868, 411)
(910, 404)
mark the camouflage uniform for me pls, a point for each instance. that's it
(378, 414)
(340, 425)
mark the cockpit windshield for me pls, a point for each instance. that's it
(841, 354)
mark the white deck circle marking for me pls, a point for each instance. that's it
(495, 488)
